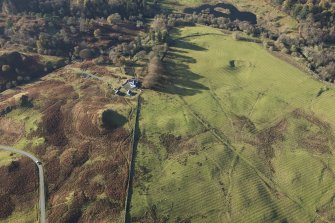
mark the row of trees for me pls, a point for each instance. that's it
(155, 71)
(157, 39)
(148, 49)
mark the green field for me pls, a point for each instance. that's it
(251, 142)
(179, 5)
(5, 158)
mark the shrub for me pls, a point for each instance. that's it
(25, 102)
(97, 33)
(100, 60)
(5, 68)
(85, 54)
(232, 63)
(114, 18)
(236, 36)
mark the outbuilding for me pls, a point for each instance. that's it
(129, 93)
(117, 90)
(133, 83)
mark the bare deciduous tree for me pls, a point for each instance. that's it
(155, 70)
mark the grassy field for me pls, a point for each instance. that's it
(6, 158)
(179, 6)
(29, 216)
(248, 142)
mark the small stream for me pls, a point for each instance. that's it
(233, 12)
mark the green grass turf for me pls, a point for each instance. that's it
(220, 171)
(29, 215)
(179, 5)
(6, 158)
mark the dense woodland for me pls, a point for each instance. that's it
(82, 8)
(113, 32)
(316, 33)
(322, 11)
(56, 27)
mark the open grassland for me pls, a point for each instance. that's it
(236, 135)
(29, 215)
(176, 5)
(5, 158)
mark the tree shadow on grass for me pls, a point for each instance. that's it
(183, 44)
(175, 50)
(178, 78)
(181, 58)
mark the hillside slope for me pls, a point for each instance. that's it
(83, 138)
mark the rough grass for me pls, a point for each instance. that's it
(5, 158)
(65, 131)
(256, 142)
(181, 4)
(31, 118)
(29, 216)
